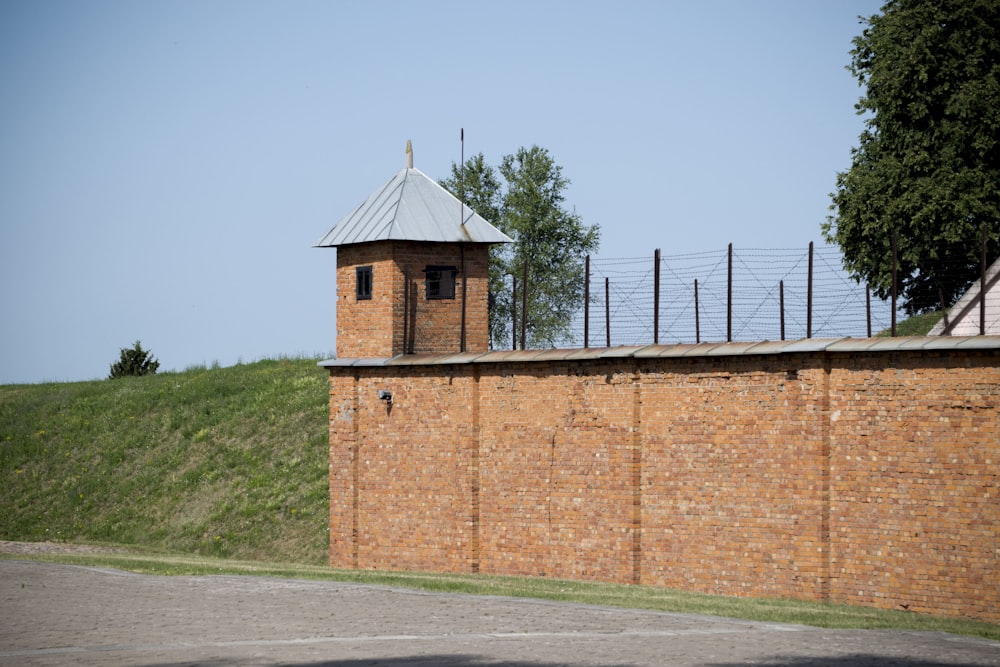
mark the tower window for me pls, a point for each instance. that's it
(440, 281)
(364, 282)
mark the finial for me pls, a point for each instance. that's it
(409, 154)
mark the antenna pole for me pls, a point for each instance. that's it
(461, 179)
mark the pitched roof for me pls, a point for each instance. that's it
(412, 207)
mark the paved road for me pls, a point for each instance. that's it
(70, 615)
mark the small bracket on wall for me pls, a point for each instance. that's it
(385, 395)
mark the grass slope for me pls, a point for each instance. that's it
(917, 325)
(228, 462)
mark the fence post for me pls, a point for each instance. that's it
(656, 297)
(607, 309)
(809, 295)
(513, 314)
(729, 298)
(524, 307)
(982, 284)
(697, 323)
(781, 306)
(868, 307)
(893, 248)
(586, 303)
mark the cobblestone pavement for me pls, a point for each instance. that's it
(52, 614)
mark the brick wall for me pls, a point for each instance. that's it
(557, 472)
(866, 478)
(734, 476)
(376, 327)
(367, 328)
(915, 511)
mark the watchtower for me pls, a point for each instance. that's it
(412, 271)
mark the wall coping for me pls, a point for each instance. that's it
(687, 350)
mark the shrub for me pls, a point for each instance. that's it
(134, 361)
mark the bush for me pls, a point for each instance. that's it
(134, 361)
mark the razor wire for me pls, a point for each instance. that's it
(622, 295)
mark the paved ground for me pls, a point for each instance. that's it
(70, 615)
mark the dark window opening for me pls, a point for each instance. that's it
(364, 282)
(440, 281)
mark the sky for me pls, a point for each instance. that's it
(166, 167)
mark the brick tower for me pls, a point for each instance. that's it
(412, 271)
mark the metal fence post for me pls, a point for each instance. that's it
(656, 297)
(513, 314)
(586, 303)
(809, 295)
(982, 284)
(524, 307)
(868, 307)
(729, 298)
(893, 249)
(697, 323)
(781, 306)
(607, 309)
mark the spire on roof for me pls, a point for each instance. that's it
(409, 154)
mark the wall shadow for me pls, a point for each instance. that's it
(852, 660)
(436, 660)
(462, 660)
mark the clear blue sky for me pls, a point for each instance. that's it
(165, 167)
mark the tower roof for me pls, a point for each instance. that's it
(412, 207)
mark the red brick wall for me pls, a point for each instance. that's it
(557, 472)
(734, 476)
(869, 479)
(375, 327)
(400, 486)
(367, 328)
(345, 437)
(915, 492)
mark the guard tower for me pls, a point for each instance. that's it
(412, 271)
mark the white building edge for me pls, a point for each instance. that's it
(963, 318)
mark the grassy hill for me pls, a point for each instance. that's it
(225, 462)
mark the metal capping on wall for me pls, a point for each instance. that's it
(805, 345)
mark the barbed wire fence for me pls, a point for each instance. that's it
(744, 295)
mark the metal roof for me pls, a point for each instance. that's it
(768, 348)
(412, 207)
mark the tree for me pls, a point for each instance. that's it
(928, 163)
(524, 198)
(134, 361)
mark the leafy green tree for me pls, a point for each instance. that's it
(928, 163)
(134, 361)
(525, 198)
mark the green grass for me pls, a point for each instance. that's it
(615, 595)
(227, 462)
(918, 325)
